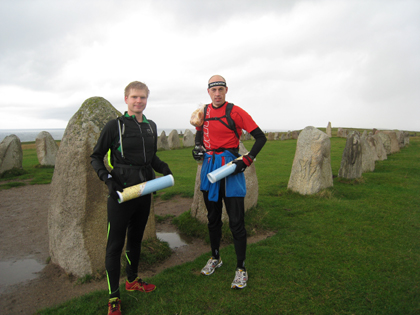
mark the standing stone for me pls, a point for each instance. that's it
(245, 136)
(189, 138)
(198, 208)
(295, 134)
(173, 140)
(369, 155)
(351, 161)
(342, 133)
(400, 138)
(311, 170)
(276, 136)
(11, 154)
(328, 131)
(77, 217)
(162, 143)
(386, 140)
(283, 137)
(406, 138)
(270, 136)
(376, 143)
(395, 147)
(46, 148)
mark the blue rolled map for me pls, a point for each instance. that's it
(145, 188)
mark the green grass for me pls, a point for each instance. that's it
(31, 173)
(351, 249)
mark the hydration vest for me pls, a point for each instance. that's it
(118, 146)
(230, 125)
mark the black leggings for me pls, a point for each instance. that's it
(129, 218)
(235, 208)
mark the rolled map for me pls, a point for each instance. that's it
(222, 171)
(145, 188)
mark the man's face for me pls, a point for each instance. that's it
(136, 101)
(218, 95)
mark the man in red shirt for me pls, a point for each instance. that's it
(221, 145)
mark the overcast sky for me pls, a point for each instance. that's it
(290, 64)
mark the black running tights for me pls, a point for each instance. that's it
(128, 218)
(235, 208)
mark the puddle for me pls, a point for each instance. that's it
(17, 271)
(173, 239)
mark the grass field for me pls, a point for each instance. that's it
(352, 249)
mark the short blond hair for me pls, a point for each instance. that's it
(136, 85)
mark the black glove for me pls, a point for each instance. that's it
(241, 165)
(166, 171)
(113, 187)
(198, 152)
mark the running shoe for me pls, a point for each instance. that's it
(139, 285)
(211, 265)
(241, 277)
(114, 306)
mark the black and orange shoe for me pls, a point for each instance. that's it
(114, 306)
(139, 285)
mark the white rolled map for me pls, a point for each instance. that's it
(222, 171)
(145, 188)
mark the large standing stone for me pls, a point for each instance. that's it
(351, 161)
(77, 217)
(189, 138)
(11, 154)
(395, 147)
(46, 148)
(276, 136)
(311, 170)
(376, 143)
(369, 155)
(162, 143)
(270, 136)
(173, 140)
(198, 208)
(328, 131)
(386, 140)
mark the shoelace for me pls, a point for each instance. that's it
(239, 275)
(141, 282)
(114, 305)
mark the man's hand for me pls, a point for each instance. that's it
(241, 165)
(198, 152)
(113, 187)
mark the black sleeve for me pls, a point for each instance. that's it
(260, 140)
(199, 137)
(104, 143)
(157, 164)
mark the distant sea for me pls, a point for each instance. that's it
(26, 135)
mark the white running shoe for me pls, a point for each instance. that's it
(241, 277)
(211, 265)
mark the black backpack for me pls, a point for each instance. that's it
(230, 125)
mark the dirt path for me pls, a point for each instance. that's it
(24, 235)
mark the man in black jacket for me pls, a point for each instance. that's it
(132, 141)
